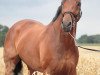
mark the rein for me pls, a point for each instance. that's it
(89, 49)
(74, 20)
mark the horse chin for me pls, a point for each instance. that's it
(66, 28)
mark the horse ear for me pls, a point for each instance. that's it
(62, 2)
(57, 13)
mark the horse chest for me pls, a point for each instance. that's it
(58, 61)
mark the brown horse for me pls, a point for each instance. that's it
(49, 49)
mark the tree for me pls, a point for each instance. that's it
(89, 39)
(3, 31)
(83, 39)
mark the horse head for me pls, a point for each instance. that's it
(71, 11)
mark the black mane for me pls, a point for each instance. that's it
(57, 13)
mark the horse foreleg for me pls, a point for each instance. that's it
(10, 59)
(30, 71)
(73, 72)
(10, 66)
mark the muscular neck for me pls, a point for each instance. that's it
(63, 36)
(57, 23)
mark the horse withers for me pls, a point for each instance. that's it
(48, 49)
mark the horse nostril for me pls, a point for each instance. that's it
(68, 24)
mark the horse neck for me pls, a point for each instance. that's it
(63, 37)
(57, 23)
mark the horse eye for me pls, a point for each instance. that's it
(78, 3)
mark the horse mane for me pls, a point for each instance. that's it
(57, 13)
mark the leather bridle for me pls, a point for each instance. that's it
(73, 17)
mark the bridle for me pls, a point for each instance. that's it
(73, 17)
(74, 21)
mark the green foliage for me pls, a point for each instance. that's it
(3, 31)
(89, 39)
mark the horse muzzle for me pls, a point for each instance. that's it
(66, 26)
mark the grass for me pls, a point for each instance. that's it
(89, 62)
(90, 44)
(1, 62)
